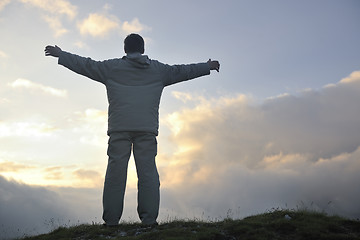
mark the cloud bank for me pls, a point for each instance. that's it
(286, 151)
(30, 210)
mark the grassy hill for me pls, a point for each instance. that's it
(280, 224)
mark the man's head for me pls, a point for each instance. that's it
(134, 43)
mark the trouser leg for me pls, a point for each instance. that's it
(145, 150)
(119, 150)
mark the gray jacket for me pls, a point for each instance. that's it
(134, 84)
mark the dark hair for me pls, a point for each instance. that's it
(134, 43)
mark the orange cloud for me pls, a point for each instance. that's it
(134, 26)
(13, 167)
(353, 77)
(98, 25)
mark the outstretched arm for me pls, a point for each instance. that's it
(52, 51)
(178, 73)
(95, 70)
(214, 65)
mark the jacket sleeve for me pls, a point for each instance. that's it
(96, 70)
(179, 73)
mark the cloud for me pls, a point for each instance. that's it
(354, 77)
(47, 175)
(53, 173)
(258, 156)
(134, 26)
(89, 178)
(98, 25)
(86, 130)
(26, 129)
(24, 83)
(56, 7)
(12, 167)
(318, 124)
(73, 176)
(102, 24)
(56, 25)
(3, 3)
(86, 174)
(36, 208)
(53, 11)
(32, 210)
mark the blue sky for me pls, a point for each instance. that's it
(272, 129)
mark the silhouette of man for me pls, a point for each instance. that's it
(134, 85)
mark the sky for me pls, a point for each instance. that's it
(277, 127)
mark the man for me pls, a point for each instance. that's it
(134, 84)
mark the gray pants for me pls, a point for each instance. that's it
(144, 149)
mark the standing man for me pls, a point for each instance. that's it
(134, 85)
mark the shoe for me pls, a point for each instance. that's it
(110, 226)
(151, 225)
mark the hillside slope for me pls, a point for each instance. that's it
(282, 224)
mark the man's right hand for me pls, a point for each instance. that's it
(52, 51)
(214, 65)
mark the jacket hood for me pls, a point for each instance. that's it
(138, 60)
